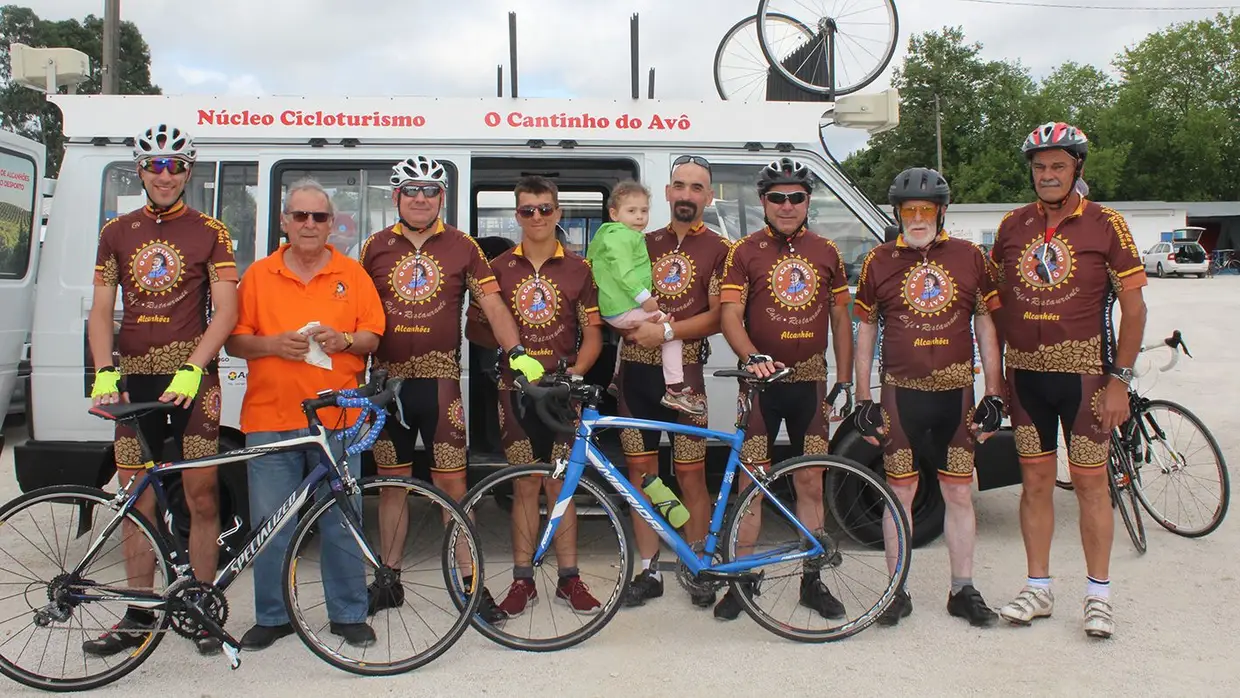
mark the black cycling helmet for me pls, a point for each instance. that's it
(785, 171)
(919, 184)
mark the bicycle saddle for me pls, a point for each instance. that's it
(131, 410)
(744, 375)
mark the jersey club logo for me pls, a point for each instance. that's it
(1046, 266)
(928, 289)
(211, 403)
(794, 283)
(536, 301)
(415, 278)
(157, 267)
(672, 274)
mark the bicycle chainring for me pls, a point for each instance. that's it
(206, 597)
(693, 585)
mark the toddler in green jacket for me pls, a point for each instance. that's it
(621, 267)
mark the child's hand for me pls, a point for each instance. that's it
(650, 305)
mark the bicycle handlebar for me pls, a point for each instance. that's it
(560, 389)
(1176, 343)
(372, 398)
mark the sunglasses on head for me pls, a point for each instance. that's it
(430, 191)
(691, 159)
(779, 197)
(157, 165)
(544, 209)
(318, 216)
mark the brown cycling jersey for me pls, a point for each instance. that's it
(926, 300)
(551, 305)
(1058, 286)
(164, 265)
(685, 274)
(788, 286)
(423, 293)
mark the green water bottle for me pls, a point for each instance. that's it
(665, 501)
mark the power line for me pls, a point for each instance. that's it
(1065, 6)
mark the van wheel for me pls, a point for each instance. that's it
(863, 520)
(233, 496)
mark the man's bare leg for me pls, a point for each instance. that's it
(203, 501)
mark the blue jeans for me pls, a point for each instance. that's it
(272, 479)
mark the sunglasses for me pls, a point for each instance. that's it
(544, 209)
(691, 159)
(430, 191)
(170, 165)
(779, 197)
(909, 213)
(303, 216)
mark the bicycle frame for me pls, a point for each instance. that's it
(584, 451)
(327, 469)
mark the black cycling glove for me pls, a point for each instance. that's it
(869, 419)
(989, 414)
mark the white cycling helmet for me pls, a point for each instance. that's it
(164, 141)
(419, 169)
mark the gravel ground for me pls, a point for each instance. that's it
(1175, 632)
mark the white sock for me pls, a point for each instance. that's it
(646, 566)
(1039, 582)
(1101, 589)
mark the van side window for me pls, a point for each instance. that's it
(581, 215)
(122, 190)
(17, 212)
(740, 213)
(238, 209)
(362, 194)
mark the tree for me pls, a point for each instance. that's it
(27, 112)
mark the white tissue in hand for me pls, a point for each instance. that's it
(316, 356)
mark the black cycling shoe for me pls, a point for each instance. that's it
(729, 608)
(260, 637)
(490, 611)
(380, 598)
(355, 634)
(969, 604)
(644, 586)
(815, 595)
(127, 634)
(901, 606)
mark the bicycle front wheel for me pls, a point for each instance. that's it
(1181, 473)
(48, 611)
(405, 523)
(861, 577)
(548, 612)
(1124, 495)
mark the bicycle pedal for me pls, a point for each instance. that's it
(233, 654)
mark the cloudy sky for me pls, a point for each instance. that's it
(577, 48)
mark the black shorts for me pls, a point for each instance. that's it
(198, 428)
(641, 389)
(799, 405)
(431, 407)
(1042, 401)
(526, 438)
(928, 424)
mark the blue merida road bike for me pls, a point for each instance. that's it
(59, 588)
(776, 561)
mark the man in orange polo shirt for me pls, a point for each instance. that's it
(305, 281)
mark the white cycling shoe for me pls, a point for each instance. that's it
(1030, 603)
(1098, 620)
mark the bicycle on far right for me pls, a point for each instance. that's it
(1164, 457)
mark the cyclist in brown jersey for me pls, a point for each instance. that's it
(176, 269)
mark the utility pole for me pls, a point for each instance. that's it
(111, 78)
(938, 133)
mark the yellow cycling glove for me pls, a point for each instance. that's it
(107, 381)
(525, 364)
(186, 381)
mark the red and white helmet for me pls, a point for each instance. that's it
(1056, 134)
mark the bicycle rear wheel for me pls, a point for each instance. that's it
(591, 536)
(326, 573)
(1124, 495)
(47, 612)
(1179, 453)
(861, 574)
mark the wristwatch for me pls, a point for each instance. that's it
(667, 332)
(516, 351)
(1123, 374)
(348, 339)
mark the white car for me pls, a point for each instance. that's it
(1178, 257)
